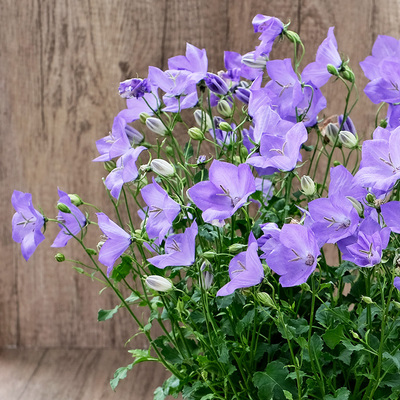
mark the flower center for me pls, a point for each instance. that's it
(340, 224)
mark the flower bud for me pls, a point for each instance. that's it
(383, 123)
(332, 70)
(236, 160)
(75, 200)
(158, 283)
(348, 75)
(170, 151)
(236, 248)
(224, 126)
(355, 335)
(63, 208)
(91, 252)
(224, 108)
(243, 152)
(110, 165)
(162, 167)
(331, 132)
(209, 255)
(156, 126)
(336, 163)
(307, 185)
(265, 299)
(396, 304)
(370, 198)
(203, 120)
(134, 136)
(243, 94)
(206, 277)
(357, 205)
(216, 84)
(59, 257)
(292, 36)
(348, 139)
(196, 133)
(143, 117)
(258, 63)
(367, 299)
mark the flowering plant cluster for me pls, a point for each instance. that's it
(233, 258)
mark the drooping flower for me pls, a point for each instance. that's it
(134, 88)
(270, 28)
(162, 211)
(117, 241)
(294, 256)
(245, 269)
(180, 249)
(72, 222)
(226, 191)
(26, 223)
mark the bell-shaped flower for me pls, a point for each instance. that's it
(148, 104)
(245, 269)
(226, 191)
(72, 222)
(161, 212)
(180, 249)
(294, 257)
(270, 28)
(116, 242)
(26, 223)
(235, 69)
(391, 212)
(126, 171)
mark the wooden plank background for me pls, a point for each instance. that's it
(60, 65)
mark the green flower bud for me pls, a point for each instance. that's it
(208, 255)
(75, 200)
(196, 133)
(265, 299)
(59, 257)
(367, 299)
(63, 208)
(331, 131)
(332, 70)
(143, 116)
(355, 335)
(357, 205)
(348, 139)
(396, 304)
(348, 75)
(307, 185)
(170, 151)
(383, 123)
(162, 167)
(236, 248)
(91, 252)
(203, 120)
(336, 163)
(224, 108)
(236, 160)
(225, 126)
(243, 152)
(110, 165)
(292, 36)
(370, 198)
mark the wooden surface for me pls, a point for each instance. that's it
(80, 374)
(60, 65)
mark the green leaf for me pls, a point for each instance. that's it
(341, 394)
(391, 363)
(200, 176)
(159, 394)
(122, 270)
(119, 374)
(103, 315)
(188, 150)
(332, 337)
(272, 382)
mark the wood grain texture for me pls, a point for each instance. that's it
(61, 62)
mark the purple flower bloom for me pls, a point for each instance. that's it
(147, 104)
(270, 28)
(226, 191)
(216, 84)
(365, 247)
(393, 116)
(245, 269)
(295, 255)
(134, 88)
(236, 69)
(280, 153)
(223, 138)
(162, 211)
(391, 212)
(180, 249)
(117, 241)
(327, 53)
(396, 282)
(73, 222)
(380, 165)
(126, 171)
(26, 223)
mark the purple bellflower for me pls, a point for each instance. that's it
(126, 171)
(245, 269)
(396, 282)
(161, 212)
(134, 88)
(327, 53)
(147, 104)
(270, 28)
(180, 249)
(26, 223)
(380, 164)
(391, 212)
(235, 69)
(72, 223)
(393, 116)
(226, 191)
(365, 247)
(216, 84)
(117, 241)
(294, 258)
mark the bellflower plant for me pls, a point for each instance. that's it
(268, 250)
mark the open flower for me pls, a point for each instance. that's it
(26, 223)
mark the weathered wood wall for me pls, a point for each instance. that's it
(60, 65)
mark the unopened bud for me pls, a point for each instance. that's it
(59, 257)
(170, 151)
(332, 70)
(224, 108)
(209, 255)
(348, 75)
(331, 132)
(383, 123)
(306, 287)
(243, 152)
(225, 126)
(236, 248)
(336, 163)
(196, 133)
(203, 120)
(367, 299)
(348, 139)
(91, 252)
(206, 277)
(156, 126)
(143, 117)
(265, 299)
(370, 198)
(355, 335)
(162, 167)
(158, 283)
(110, 165)
(292, 36)
(396, 304)
(357, 205)
(236, 160)
(63, 208)
(307, 185)
(257, 63)
(75, 200)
